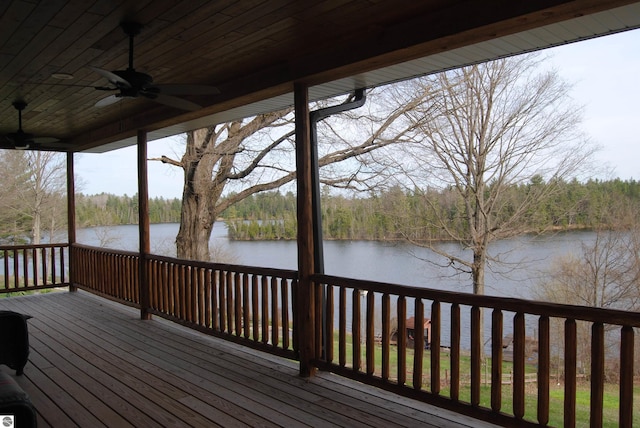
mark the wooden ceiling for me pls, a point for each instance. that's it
(251, 50)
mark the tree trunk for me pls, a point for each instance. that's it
(477, 273)
(199, 199)
(192, 241)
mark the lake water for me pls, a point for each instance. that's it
(523, 260)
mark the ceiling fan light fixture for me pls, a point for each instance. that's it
(62, 76)
(21, 145)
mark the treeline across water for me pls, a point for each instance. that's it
(391, 214)
(108, 210)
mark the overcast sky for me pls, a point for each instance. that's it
(605, 73)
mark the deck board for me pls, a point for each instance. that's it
(94, 363)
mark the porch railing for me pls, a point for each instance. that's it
(109, 273)
(248, 305)
(457, 355)
(34, 267)
(372, 343)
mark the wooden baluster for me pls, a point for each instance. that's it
(265, 309)
(570, 348)
(187, 283)
(132, 278)
(190, 293)
(222, 300)
(182, 310)
(208, 287)
(597, 374)
(111, 280)
(386, 320)
(496, 359)
(402, 340)
(201, 297)
(5, 256)
(295, 314)
(255, 307)
(229, 301)
(151, 279)
(171, 284)
(44, 266)
(519, 337)
(328, 342)
(418, 344)
(53, 265)
(434, 346)
(246, 309)
(275, 327)
(342, 334)
(158, 284)
(237, 303)
(123, 272)
(25, 269)
(626, 376)
(16, 270)
(476, 357)
(455, 352)
(286, 343)
(370, 329)
(63, 264)
(544, 369)
(215, 305)
(318, 290)
(118, 273)
(355, 329)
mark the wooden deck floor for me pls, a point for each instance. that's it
(93, 363)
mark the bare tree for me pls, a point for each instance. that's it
(606, 274)
(33, 199)
(486, 129)
(226, 163)
(14, 222)
(47, 172)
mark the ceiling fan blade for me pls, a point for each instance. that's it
(178, 89)
(45, 140)
(107, 101)
(171, 101)
(112, 77)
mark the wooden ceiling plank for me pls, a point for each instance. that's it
(13, 69)
(11, 22)
(31, 26)
(207, 39)
(250, 49)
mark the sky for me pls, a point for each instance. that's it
(604, 72)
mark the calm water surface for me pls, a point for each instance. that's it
(523, 260)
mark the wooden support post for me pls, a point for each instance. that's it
(71, 217)
(143, 224)
(305, 304)
(626, 376)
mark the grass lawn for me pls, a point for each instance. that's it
(556, 393)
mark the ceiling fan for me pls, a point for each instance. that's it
(131, 83)
(21, 139)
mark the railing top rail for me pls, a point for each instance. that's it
(584, 313)
(106, 250)
(282, 273)
(31, 246)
